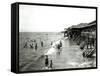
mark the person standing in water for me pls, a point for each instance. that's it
(58, 46)
(51, 42)
(60, 43)
(31, 46)
(41, 43)
(25, 46)
(34, 41)
(36, 46)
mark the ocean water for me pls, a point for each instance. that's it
(31, 59)
(29, 55)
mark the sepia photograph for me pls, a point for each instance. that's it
(53, 38)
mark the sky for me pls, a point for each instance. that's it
(52, 19)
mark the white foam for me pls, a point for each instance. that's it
(51, 51)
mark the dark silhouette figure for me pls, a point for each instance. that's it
(34, 40)
(25, 46)
(51, 42)
(60, 44)
(51, 63)
(36, 46)
(46, 61)
(31, 46)
(41, 43)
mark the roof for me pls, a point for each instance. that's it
(83, 25)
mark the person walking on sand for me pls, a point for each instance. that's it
(51, 64)
(46, 61)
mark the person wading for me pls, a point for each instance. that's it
(36, 46)
(51, 42)
(60, 43)
(31, 46)
(25, 46)
(41, 43)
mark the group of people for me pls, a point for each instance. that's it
(49, 62)
(32, 44)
